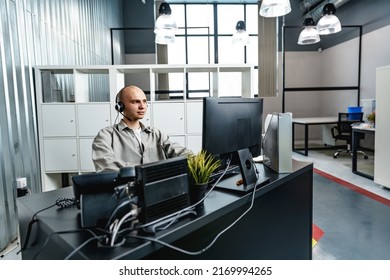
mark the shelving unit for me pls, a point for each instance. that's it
(75, 102)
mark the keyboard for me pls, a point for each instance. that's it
(232, 170)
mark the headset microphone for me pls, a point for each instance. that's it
(125, 116)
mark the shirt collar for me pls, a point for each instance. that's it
(122, 126)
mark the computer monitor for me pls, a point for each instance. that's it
(232, 128)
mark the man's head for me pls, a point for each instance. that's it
(132, 103)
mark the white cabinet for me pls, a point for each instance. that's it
(92, 117)
(382, 131)
(60, 155)
(58, 120)
(85, 150)
(169, 117)
(83, 99)
(194, 117)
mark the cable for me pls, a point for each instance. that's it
(193, 253)
(60, 232)
(118, 207)
(29, 227)
(66, 202)
(81, 246)
(60, 202)
(119, 224)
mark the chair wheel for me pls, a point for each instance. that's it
(334, 156)
(365, 157)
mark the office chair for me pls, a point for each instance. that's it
(343, 131)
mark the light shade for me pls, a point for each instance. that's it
(165, 26)
(329, 23)
(274, 8)
(309, 35)
(241, 36)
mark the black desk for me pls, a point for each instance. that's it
(356, 132)
(279, 226)
(306, 122)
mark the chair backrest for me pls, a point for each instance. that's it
(346, 120)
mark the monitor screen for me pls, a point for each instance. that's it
(231, 124)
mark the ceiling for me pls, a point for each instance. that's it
(369, 14)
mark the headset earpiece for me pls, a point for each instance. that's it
(119, 105)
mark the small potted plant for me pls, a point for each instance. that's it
(200, 167)
(371, 118)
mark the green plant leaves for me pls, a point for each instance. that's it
(201, 166)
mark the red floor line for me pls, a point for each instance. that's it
(354, 187)
(317, 232)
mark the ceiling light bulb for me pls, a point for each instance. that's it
(274, 8)
(329, 23)
(241, 37)
(165, 26)
(309, 35)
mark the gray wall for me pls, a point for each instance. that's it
(40, 32)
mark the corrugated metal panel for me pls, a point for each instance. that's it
(42, 32)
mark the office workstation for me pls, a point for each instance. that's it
(255, 213)
(48, 131)
(306, 123)
(281, 217)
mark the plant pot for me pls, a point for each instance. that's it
(197, 192)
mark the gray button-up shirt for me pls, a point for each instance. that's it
(117, 146)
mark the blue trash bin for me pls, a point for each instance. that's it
(354, 113)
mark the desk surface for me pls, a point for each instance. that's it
(281, 218)
(363, 129)
(315, 120)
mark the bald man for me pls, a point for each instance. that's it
(129, 142)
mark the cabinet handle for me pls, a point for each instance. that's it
(73, 155)
(71, 120)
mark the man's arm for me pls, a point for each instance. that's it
(173, 149)
(103, 155)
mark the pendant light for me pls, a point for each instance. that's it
(329, 23)
(241, 37)
(274, 8)
(165, 26)
(309, 35)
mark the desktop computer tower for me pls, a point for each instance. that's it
(277, 142)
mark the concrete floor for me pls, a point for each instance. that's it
(356, 226)
(338, 168)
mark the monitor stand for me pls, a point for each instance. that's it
(248, 179)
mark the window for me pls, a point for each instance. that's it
(205, 37)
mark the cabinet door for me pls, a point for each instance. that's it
(194, 117)
(92, 117)
(60, 155)
(58, 120)
(169, 117)
(86, 163)
(194, 143)
(181, 140)
(147, 120)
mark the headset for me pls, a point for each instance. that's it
(119, 105)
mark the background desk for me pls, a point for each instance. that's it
(279, 226)
(355, 147)
(306, 122)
